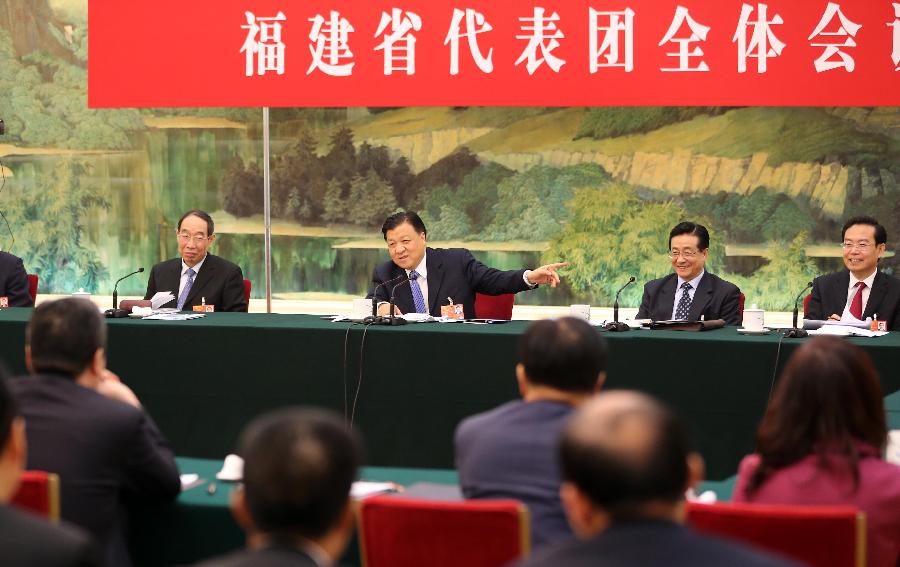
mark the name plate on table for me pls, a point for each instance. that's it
(4, 302)
(204, 309)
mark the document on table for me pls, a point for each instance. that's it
(364, 488)
(846, 331)
(161, 298)
(190, 480)
(173, 316)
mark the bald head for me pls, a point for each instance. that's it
(624, 450)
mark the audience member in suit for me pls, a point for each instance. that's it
(510, 451)
(626, 464)
(295, 503)
(862, 291)
(14, 281)
(27, 540)
(88, 427)
(441, 273)
(691, 292)
(198, 276)
(821, 443)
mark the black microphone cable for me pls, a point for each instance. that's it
(362, 344)
(346, 339)
(775, 369)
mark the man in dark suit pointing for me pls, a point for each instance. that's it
(197, 276)
(690, 292)
(437, 275)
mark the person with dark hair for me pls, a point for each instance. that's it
(438, 275)
(27, 540)
(88, 427)
(14, 281)
(198, 277)
(822, 440)
(690, 292)
(509, 452)
(295, 507)
(862, 291)
(626, 464)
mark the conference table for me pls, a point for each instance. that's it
(406, 388)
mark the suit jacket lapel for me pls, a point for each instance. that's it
(435, 264)
(667, 298)
(172, 278)
(839, 293)
(204, 276)
(702, 295)
(876, 294)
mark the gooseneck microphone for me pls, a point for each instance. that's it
(797, 301)
(115, 312)
(393, 320)
(616, 303)
(375, 296)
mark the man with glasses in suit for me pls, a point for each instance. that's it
(690, 292)
(198, 277)
(862, 290)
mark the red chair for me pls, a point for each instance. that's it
(405, 532)
(248, 285)
(806, 304)
(819, 536)
(39, 493)
(494, 306)
(32, 287)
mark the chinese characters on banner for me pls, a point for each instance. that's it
(284, 53)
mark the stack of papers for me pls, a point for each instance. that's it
(837, 330)
(161, 298)
(174, 316)
(363, 489)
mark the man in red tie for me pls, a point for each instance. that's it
(862, 291)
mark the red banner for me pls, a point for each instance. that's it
(493, 53)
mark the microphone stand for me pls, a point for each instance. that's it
(115, 312)
(796, 332)
(375, 318)
(616, 326)
(395, 321)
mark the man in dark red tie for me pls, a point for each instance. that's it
(862, 291)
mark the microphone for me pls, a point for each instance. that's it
(616, 326)
(392, 320)
(115, 312)
(375, 299)
(796, 302)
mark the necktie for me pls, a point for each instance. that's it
(417, 292)
(856, 304)
(182, 297)
(684, 304)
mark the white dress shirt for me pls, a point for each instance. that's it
(851, 291)
(184, 274)
(691, 292)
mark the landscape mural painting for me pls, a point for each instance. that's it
(89, 195)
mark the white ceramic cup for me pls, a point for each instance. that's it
(362, 307)
(754, 319)
(232, 468)
(580, 310)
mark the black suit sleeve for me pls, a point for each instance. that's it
(731, 306)
(644, 309)
(815, 310)
(233, 292)
(151, 284)
(17, 286)
(491, 281)
(152, 471)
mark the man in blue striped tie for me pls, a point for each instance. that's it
(437, 275)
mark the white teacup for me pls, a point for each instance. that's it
(754, 319)
(232, 469)
(581, 311)
(362, 307)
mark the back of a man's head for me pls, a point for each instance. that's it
(624, 450)
(11, 449)
(64, 335)
(8, 410)
(566, 354)
(299, 464)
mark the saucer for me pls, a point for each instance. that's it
(763, 331)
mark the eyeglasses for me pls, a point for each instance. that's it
(861, 246)
(686, 254)
(197, 238)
